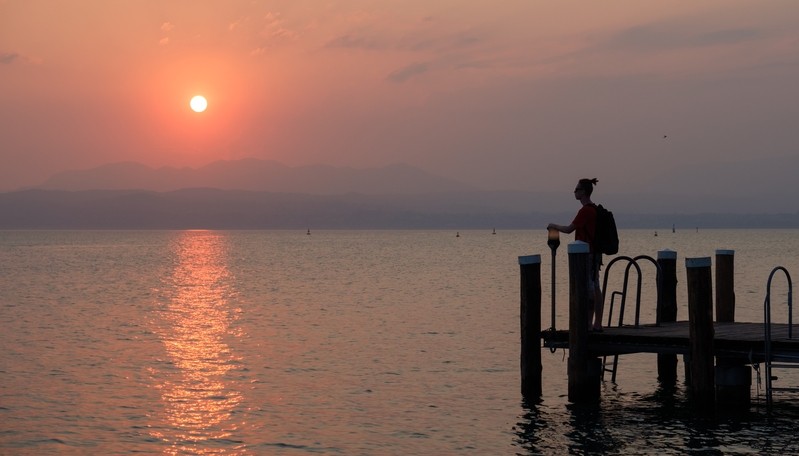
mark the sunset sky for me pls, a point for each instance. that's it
(511, 94)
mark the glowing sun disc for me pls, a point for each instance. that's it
(198, 103)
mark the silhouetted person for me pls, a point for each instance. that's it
(584, 228)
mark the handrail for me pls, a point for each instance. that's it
(767, 325)
(631, 262)
(623, 293)
(657, 285)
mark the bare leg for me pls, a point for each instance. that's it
(599, 307)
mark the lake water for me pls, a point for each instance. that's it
(342, 342)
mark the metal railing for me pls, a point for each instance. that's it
(768, 356)
(632, 262)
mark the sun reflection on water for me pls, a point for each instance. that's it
(194, 322)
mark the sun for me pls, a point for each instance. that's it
(198, 103)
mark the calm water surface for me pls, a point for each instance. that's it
(345, 342)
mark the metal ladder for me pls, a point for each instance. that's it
(783, 363)
(622, 294)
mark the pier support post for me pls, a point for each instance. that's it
(733, 384)
(725, 289)
(530, 316)
(733, 375)
(584, 370)
(667, 309)
(700, 329)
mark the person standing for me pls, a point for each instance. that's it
(584, 228)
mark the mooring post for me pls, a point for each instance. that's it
(700, 329)
(530, 316)
(667, 309)
(725, 289)
(584, 371)
(733, 375)
(733, 383)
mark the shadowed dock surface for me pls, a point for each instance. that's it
(731, 339)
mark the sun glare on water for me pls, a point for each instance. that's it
(198, 103)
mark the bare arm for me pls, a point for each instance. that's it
(562, 228)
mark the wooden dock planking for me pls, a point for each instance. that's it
(731, 339)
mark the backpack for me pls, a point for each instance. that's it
(606, 237)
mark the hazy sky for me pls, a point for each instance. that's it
(511, 94)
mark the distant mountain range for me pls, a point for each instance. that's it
(255, 175)
(240, 209)
(257, 194)
(237, 209)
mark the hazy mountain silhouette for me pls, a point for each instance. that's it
(239, 209)
(258, 194)
(772, 176)
(255, 175)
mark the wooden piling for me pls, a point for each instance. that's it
(667, 309)
(733, 375)
(733, 383)
(700, 330)
(530, 316)
(725, 286)
(584, 370)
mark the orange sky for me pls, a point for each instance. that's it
(515, 94)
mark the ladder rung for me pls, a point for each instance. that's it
(785, 388)
(784, 358)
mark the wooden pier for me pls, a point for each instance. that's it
(718, 355)
(741, 340)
